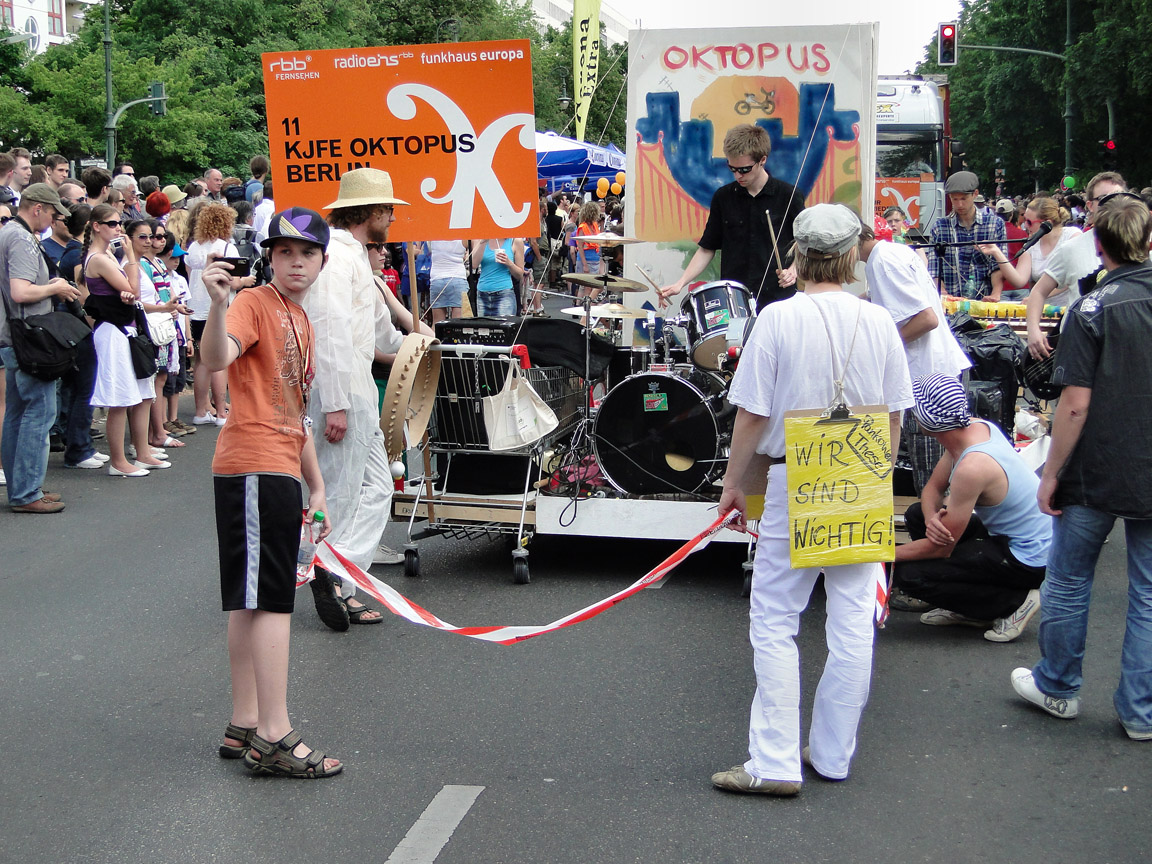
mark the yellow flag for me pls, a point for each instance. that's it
(585, 57)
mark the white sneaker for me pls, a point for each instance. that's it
(90, 462)
(208, 419)
(1007, 629)
(387, 555)
(948, 618)
(103, 457)
(1025, 686)
(3, 479)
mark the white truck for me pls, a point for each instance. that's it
(911, 156)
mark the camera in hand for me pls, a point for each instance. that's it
(241, 267)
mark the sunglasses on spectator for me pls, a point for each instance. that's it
(4, 220)
(111, 223)
(744, 169)
(143, 236)
(374, 247)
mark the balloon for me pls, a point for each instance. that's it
(600, 193)
(620, 177)
(616, 188)
(602, 186)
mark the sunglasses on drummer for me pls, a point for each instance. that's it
(743, 169)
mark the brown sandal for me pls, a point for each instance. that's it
(277, 759)
(237, 733)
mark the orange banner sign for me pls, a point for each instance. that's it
(453, 125)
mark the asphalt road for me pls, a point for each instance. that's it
(594, 744)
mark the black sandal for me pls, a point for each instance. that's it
(329, 606)
(356, 613)
(277, 759)
(237, 733)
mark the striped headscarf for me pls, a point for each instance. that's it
(941, 403)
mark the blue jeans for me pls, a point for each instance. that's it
(496, 303)
(30, 409)
(1079, 533)
(1015, 295)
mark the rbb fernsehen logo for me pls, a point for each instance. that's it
(292, 68)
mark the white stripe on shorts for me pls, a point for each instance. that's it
(251, 539)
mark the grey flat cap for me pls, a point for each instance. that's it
(826, 230)
(962, 182)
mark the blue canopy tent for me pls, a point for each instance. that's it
(574, 165)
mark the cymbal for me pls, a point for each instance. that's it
(607, 310)
(611, 283)
(607, 238)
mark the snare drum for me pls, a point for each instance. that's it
(709, 310)
(628, 360)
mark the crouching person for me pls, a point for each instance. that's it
(979, 541)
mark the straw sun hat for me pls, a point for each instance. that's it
(364, 186)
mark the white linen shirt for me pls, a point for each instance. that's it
(350, 321)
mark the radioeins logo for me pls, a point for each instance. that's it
(367, 61)
(292, 68)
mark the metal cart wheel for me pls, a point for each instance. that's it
(412, 562)
(520, 567)
(746, 591)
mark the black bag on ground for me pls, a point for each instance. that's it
(45, 345)
(141, 348)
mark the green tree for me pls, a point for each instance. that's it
(1008, 108)
(207, 53)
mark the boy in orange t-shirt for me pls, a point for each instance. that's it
(263, 452)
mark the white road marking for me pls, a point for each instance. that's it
(434, 828)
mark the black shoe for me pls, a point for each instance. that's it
(329, 606)
(55, 444)
(95, 433)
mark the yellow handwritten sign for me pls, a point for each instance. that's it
(839, 487)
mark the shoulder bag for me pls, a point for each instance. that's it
(516, 416)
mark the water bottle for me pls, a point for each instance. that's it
(309, 535)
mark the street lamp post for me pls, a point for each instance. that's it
(109, 125)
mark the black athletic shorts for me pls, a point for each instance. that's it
(258, 518)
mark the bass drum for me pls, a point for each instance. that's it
(659, 432)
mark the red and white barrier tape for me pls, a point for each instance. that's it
(396, 603)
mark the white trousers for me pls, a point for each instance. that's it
(779, 595)
(357, 485)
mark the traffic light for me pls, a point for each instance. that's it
(1109, 151)
(159, 97)
(946, 44)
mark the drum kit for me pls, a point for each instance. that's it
(664, 424)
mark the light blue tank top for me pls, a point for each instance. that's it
(494, 276)
(1018, 516)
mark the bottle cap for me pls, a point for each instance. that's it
(318, 516)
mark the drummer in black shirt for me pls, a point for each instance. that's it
(738, 223)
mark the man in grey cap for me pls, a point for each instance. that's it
(964, 271)
(801, 346)
(27, 290)
(979, 541)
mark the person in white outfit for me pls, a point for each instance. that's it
(798, 350)
(352, 323)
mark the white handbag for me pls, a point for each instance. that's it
(161, 328)
(516, 416)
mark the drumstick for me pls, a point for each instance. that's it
(644, 273)
(775, 248)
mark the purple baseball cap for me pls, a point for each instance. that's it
(298, 223)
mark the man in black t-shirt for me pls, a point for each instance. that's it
(738, 223)
(1097, 470)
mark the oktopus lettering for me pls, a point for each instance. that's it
(474, 174)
